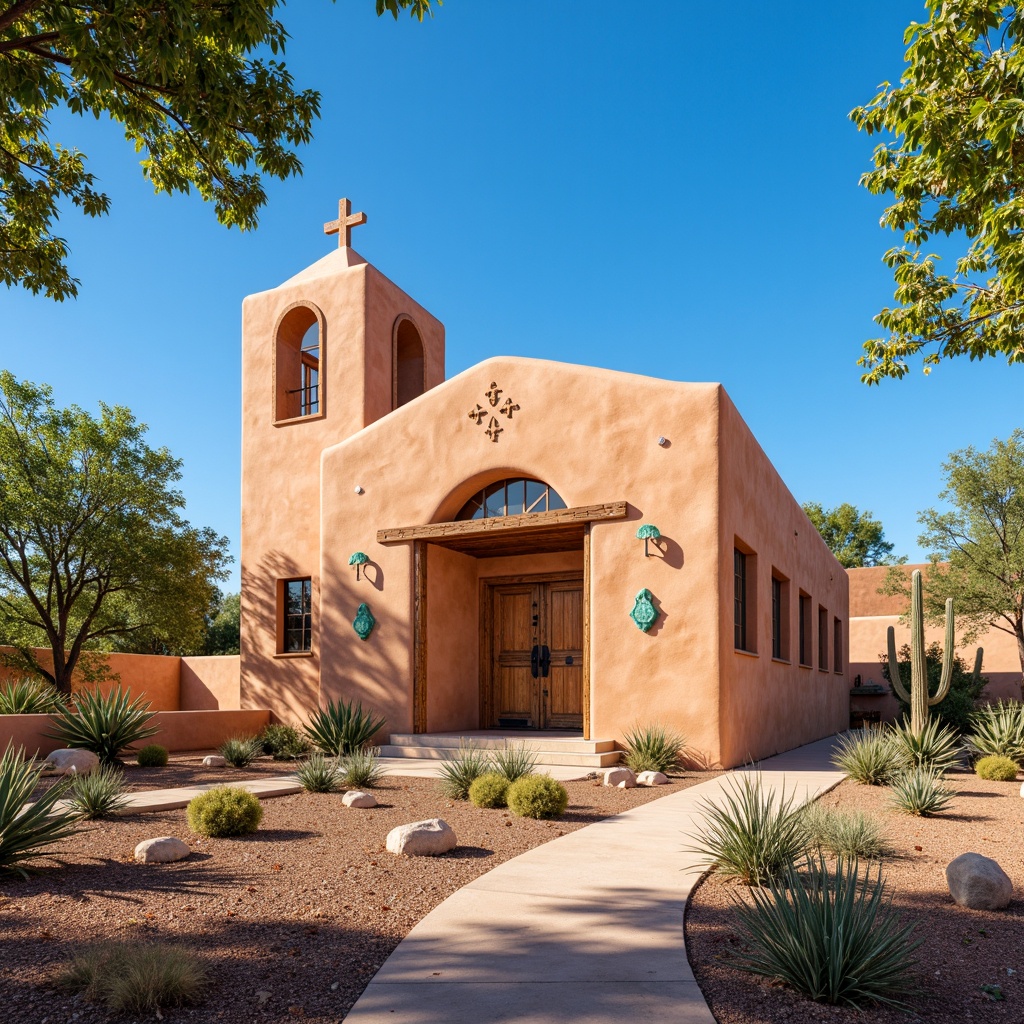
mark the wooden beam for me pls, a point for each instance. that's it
(586, 633)
(439, 532)
(419, 613)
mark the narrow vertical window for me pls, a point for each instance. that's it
(837, 645)
(822, 638)
(298, 616)
(740, 599)
(805, 629)
(309, 386)
(298, 365)
(776, 617)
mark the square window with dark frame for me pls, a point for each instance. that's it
(298, 616)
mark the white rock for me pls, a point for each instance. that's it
(652, 779)
(621, 778)
(359, 798)
(1022, 789)
(978, 882)
(162, 850)
(422, 838)
(73, 761)
(214, 761)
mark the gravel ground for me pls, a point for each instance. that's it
(294, 920)
(962, 949)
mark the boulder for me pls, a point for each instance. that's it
(978, 882)
(621, 778)
(214, 761)
(73, 761)
(162, 850)
(652, 779)
(359, 798)
(422, 838)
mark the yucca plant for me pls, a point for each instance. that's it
(29, 697)
(319, 775)
(104, 725)
(851, 834)
(342, 727)
(998, 729)
(652, 748)
(362, 768)
(98, 793)
(829, 934)
(240, 751)
(514, 761)
(920, 791)
(752, 834)
(935, 746)
(457, 773)
(867, 756)
(26, 829)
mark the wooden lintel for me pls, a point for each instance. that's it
(439, 532)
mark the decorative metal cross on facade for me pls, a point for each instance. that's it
(480, 414)
(347, 220)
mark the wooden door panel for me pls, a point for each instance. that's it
(515, 690)
(564, 632)
(513, 621)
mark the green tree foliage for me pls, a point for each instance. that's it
(952, 168)
(179, 76)
(93, 550)
(851, 535)
(223, 626)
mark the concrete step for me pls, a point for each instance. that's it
(603, 759)
(550, 742)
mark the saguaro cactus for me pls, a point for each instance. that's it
(918, 698)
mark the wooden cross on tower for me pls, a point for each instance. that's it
(347, 220)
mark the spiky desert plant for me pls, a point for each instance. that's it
(830, 935)
(106, 725)
(999, 729)
(458, 772)
(342, 727)
(652, 748)
(240, 751)
(920, 791)
(918, 698)
(319, 775)
(849, 834)
(362, 768)
(867, 756)
(29, 697)
(514, 761)
(26, 829)
(749, 834)
(99, 793)
(936, 746)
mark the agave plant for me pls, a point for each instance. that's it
(921, 791)
(29, 697)
(653, 748)
(935, 746)
(241, 751)
(317, 774)
(26, 828)
(342, 728)
(870, 758)
(999, 729)
(362, 767)
(459, 772)
(104, 725)
(514, 761)
(99, 793)
(851, 834)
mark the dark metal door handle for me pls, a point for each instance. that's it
(535, 661)
(545, 661)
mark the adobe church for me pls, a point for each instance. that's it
(528, 546)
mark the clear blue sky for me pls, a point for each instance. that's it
(668, 189)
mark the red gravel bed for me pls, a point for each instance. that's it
(962, 949)
(294, 919)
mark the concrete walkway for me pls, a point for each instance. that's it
(587, 928)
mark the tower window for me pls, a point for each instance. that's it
(407, 361)
(298, 365)
(309, 379)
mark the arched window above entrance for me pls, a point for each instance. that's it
(514, 497)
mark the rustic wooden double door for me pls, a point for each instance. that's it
(532, 639)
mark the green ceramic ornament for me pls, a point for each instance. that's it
(364, 622)
(644, 614)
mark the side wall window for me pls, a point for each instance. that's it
(805, 629)
(297, 618)
(298, 380)
(780, 616)
(822, 638)
(837, 645)
(744, 561)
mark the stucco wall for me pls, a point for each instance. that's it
(767, 704)
(210, 683)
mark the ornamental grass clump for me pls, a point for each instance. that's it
(514, 761)
(920, 791)
(362, 768)
(99, 793)
(936, 747)
(240, 751)
(653, 748)
(851, 834)
(828, 933)
(106, 725)
(752, 835)
(868, 757)
(283, 742)
(458, 772)
(489, 790)
(997, 769)
(137, 978)
(29, 697)
(27, 828)
(342, 728)
(319, 775)
(152, 756)
(537, 796)
(224, 811)
(999, 729)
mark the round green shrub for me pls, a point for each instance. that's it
(489, 790)
(152, 756)
(1001, 769)
(224, 811)
(537, 796)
